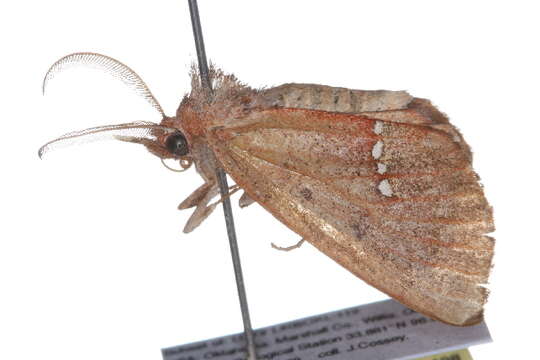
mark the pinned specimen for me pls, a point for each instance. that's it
(379, 181)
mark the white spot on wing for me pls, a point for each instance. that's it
(378, 127)
(381, 168)
(376, 152)
(385, 188)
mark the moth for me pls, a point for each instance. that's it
(379, 181)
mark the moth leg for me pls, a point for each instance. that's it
(245, 200)
(195, 198)
(203, 210)
(232, 190)
(288, 248)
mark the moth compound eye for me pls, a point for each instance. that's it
(177, 144)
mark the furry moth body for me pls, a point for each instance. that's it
(379, 181)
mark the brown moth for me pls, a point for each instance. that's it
(379, 181)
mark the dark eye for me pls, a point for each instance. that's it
(177, 144)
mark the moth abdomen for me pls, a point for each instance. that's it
(335, 99)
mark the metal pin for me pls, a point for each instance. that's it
(224, 188)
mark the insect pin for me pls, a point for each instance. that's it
(379, 181)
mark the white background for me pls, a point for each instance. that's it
(93, 264)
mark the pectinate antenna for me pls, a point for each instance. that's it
(140, 132)
(109, 65)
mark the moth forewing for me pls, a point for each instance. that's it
(389, 193)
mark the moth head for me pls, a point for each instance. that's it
(164, 140)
